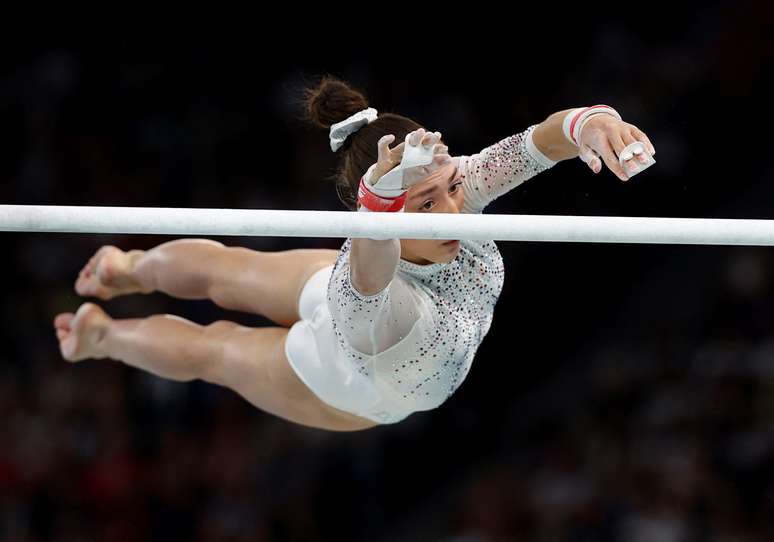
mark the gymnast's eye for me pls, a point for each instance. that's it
(455, 187)
(427, 205)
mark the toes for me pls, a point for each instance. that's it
(87, 287)
(63, 320)
(76, 332)
(88, 269)
(81, 285)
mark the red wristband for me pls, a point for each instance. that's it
(376, 203)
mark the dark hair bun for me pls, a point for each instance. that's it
(332, 101)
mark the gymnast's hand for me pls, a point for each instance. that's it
(605, 136)
(108, 274)
(389, 158)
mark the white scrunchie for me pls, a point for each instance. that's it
(342, 130)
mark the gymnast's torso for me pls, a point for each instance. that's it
(410, 346)
(416, 339)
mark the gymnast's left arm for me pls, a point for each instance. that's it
(503, 166)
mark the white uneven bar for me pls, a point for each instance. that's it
(277, 223)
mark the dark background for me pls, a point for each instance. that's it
(623, 392)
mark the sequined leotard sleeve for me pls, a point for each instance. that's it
(498, 169)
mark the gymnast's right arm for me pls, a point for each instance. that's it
(373, 262)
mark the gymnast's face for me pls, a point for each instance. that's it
(440, 192)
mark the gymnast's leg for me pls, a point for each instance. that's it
(250, 361)
(235, 278)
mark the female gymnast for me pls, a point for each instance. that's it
(370, 333)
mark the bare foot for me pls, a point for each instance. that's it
(80, 335)
(108, 274)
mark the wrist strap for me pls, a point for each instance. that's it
(372, 202)
(576, 119)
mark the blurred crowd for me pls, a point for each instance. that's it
(635, 401)
(667, 436)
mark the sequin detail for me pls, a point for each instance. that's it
(416, 339)
(496, 170)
